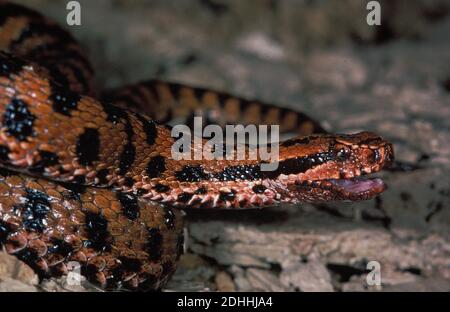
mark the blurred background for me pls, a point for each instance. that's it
(322, 58)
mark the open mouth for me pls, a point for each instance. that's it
(353, 189)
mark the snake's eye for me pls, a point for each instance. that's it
(343, 154)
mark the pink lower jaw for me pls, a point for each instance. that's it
(357, 186)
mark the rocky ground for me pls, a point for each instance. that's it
(322, 58)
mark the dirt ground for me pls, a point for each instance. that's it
(322, 58)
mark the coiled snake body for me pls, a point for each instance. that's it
(90, 178)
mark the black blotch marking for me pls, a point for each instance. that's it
(126, 265)
(191, 174)
(4, 151)
(201, 190)
(60, 247)
(161, 188)
(130, 264)
(30, 257)
(98, 235)
(34, 210)
(242, 172)
(73, 190)
(79, 179)
(127, 158)
(8, 64)
(129, 204)
(184, 197)
(150, 129)
(128, 181)
(48, 159)
(259, 188)
(88, 146)
(153, 246)
(18, 120)
(227, 196)
(114, 113)
(101, 175)
(169, 218)
(156, 166)
(64, 101)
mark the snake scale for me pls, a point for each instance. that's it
(89, 177)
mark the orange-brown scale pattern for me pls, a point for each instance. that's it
(126, 234)
(127, 243)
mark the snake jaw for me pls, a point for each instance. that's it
(341, 178)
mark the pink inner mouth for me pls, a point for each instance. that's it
(359, 186)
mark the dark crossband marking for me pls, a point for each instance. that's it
(8, 66)
(60, 247)
(88, 146)
(115, 115)
(130, 206)
(98, 235)
(63, 100)
(156, 166)
(150, 129)
(11, 10)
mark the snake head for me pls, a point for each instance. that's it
(330, 167)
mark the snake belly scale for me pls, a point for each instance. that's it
(88, 176)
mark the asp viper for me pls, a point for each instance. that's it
(90, 178)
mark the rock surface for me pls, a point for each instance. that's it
(319, 57)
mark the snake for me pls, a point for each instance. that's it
(87, 176)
